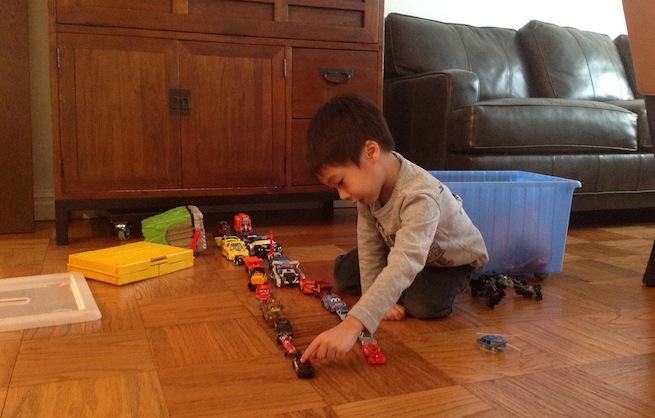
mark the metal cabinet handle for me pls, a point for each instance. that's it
(179, 102)
(336, 75)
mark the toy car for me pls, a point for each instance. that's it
(243, 226)
(284, 272)
(223, 229)
(307, 285)
(262, 292)
(321, 287)
(235, 250)
(261, 247)
(305, 370)
(220, 239)
(285, 335)
(493, 343)
(373, 353)
(332, 302)
(272, 310)
(342, 312)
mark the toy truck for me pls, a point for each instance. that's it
(272, 310)
(284, 272)
(243, 226)
(256, 272)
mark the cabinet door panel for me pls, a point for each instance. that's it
(235, 134)
(116, 129)
(326, 20)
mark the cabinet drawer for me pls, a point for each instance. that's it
(320, 74)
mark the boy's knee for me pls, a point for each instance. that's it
(428, 311)
(346, 273)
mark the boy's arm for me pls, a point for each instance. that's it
(419, 218)
(371, 248)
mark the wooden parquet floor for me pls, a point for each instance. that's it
(193, 343)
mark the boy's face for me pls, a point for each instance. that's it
(357, 184)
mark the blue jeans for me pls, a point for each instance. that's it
(430, 296)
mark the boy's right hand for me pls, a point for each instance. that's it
(334, 343)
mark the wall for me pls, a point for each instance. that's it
(44, 184)
(605, 16)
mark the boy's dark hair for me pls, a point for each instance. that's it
(339, 130)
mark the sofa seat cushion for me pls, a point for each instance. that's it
(598, 173)
(638, 106)
(542, 126)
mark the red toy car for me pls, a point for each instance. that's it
(321, 288)
(373, 353)
(307, 286)
(262, 292)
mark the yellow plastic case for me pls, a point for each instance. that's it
(130, 262)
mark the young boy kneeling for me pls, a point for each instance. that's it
(416, 247)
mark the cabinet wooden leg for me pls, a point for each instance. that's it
(62, 214)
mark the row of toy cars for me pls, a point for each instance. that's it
(283, 273)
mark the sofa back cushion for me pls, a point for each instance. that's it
(415, 45)
(569, 63)
(623, 46)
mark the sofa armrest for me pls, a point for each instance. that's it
(416, 108)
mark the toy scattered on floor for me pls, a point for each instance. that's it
(493, 285)
(177, 227)
(493, 343)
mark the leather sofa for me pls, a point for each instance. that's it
(544, 98)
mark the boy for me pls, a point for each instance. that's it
(416, 247)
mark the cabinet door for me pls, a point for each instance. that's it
(116, 131)
(234, 134)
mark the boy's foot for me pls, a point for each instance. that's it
(396, 313)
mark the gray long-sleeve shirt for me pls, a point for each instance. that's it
(423, 224)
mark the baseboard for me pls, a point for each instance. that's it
(44, 204)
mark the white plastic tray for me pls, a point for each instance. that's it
(46, 300)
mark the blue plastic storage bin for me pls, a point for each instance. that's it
(523, 216)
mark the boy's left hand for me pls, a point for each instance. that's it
(334, 343)
(396, 313)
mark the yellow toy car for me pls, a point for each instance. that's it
(234, 249)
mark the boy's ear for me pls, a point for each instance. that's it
(371, 150)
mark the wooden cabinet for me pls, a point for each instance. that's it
(188, 99)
